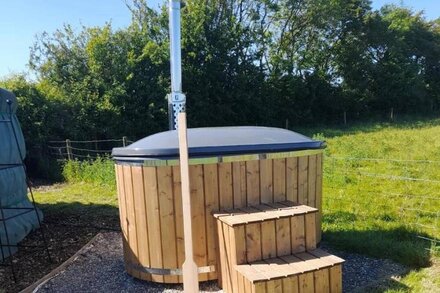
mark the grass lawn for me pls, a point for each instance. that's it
(383, 208)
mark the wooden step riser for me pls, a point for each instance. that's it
(328, 280)
(258, 241)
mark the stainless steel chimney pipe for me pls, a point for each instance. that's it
(176, 99)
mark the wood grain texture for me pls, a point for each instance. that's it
(253, 182)
(292, 179)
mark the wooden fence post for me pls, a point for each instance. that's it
(124, 141)
(69, 150)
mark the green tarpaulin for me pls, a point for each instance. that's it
(13, 188)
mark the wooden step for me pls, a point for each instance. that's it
(313, 271)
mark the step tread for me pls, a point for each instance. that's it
(263, 212)
(289, 265)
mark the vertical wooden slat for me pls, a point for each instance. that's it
(268, 239)
(253, 242)
(292, 179)
(311, 182)
(297, 233)
(154, 228)
(239, 184)
(168, 233)
(198, 217)
(210, 177)
(123, 213)
(266, 181)
(306, 283)
(319, 166)
(225, 186)
(237, 244)
(310, 229)
(290, 284)
(253, 182)
(336, 279)
(221, 264)
(141, 219)
(283, 236)
(259, 287)
(131, 218)
(302, 180)
(279, 180)
(322, 281)
(178, 211)
(274, 286)
(227, 277)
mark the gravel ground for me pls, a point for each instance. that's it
(100, 268)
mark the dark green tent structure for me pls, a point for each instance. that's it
(17, 214)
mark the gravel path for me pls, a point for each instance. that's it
(100, 268)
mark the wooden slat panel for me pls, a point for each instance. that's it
(259, 287)
(266, 181)
(211, 204)
(198, 217)
(283, 236)
(279, 180)
(253, 242)
(221, 263)
(298, 234)
(319, 168)
(311, 181)
(292, 179)
(253, 182)
(122, 211)
(306, 283)
(178, 211)
(167, 221)
(336, 279)
(130, 217)
(239, 184)
(154, 228)
(237, 254)
(302, 180)
(268, 239)
(290, 284)
(227, 277)
(310, 229)
(274, 286)
(226, 192)
(141, 219)
(322, 281)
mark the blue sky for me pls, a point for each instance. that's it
(22, 20)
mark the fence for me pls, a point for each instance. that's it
(386, 192)
(85, 149)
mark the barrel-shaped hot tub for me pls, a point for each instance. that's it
(230, 167)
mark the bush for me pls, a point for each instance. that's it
(100, 171)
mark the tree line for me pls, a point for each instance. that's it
(245, 62)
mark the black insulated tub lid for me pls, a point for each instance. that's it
(218, 141)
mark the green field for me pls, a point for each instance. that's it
(381, 196)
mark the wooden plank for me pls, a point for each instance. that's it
(167, 221)
(154, 228)
(336, 279)
(268, 239)
(177, 192)
(274, 286)
(260, 287)
(226, 192)
(239, 184)
(283, 236)
(221, 262)
(237, 254)
(303, 163)
(198, 217)
(141, 219)
(227, 277)
(122, 211)
(266, 181)
(310, 231)
(253, 242)
(292, 179)
(319, 169)
(130, 217)
(253, 182)
(210, 177)
(290, 284)
(279, 180)
(311, 182)
(322, 281)
(297, 227)
(306, 283)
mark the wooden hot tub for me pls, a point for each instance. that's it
(230, 167)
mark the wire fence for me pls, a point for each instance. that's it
(85, 149)
(387, 193)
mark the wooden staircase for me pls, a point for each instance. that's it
(272, 248)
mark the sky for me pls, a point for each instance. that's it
(22, 20)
